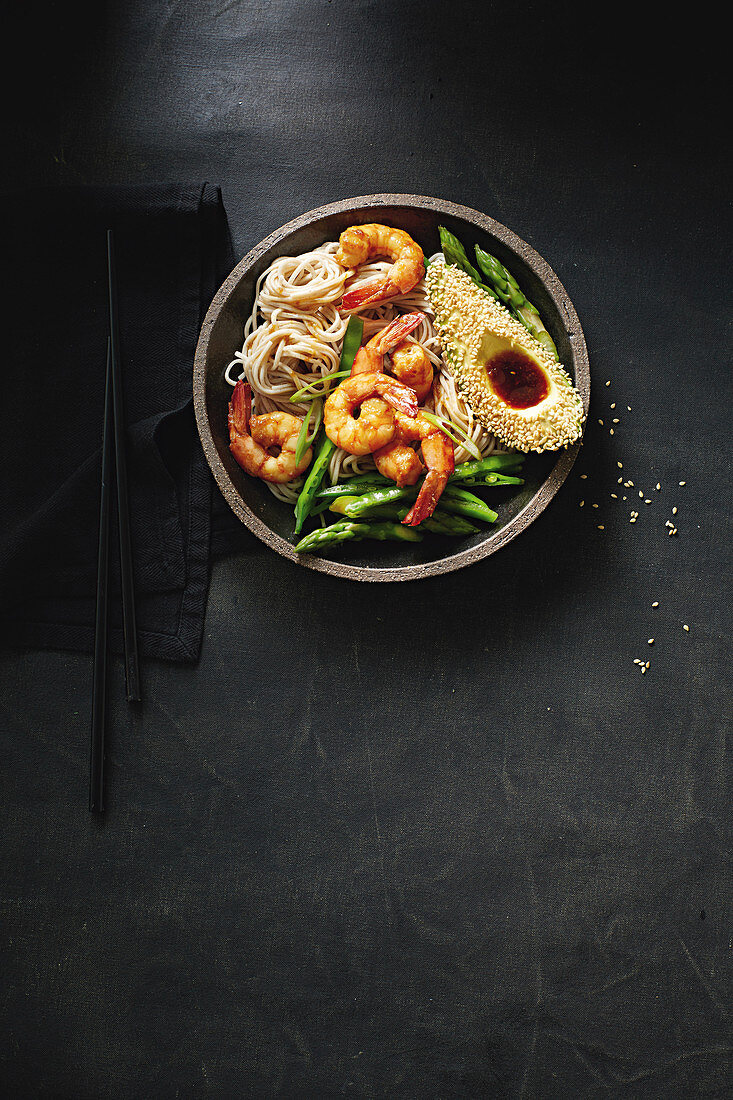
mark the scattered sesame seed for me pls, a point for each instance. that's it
(641, 494)
(683, 483)
(656, 603)
(609, 382)
(614, 496)
(601, 527)
(613, 406)
(601, 423)
(581, 503)
(619, 481)
(657, 486)
(623, 498)
(647, 502)
(610, 431)
(686, 627)
(583, 477)
(633, 519)
(631, 485)
(637, 661)
(629, 407)
(674, 511)
(650, 641)
(620, 465)
(642, 670)
(594, 505)
(616, 420)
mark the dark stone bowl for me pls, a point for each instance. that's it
(222, 335)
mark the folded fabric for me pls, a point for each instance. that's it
(172, 252)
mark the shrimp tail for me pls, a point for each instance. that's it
(401, 398)
(427, 499)
(438, 454)
(240, 409)
(396, 331)
(378, 291)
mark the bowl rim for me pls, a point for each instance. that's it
(494, 540)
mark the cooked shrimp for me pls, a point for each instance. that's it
(375, 426)
(253, 438)
(412, 366)
(360, 243)
(399, 462)
(410, 362)
(370, 357)
(402, 465)
(437, 451)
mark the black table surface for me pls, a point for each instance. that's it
(439, 839)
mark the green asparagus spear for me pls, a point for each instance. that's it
(456, 492)
(455, 254)
(452, 500)
(366, 482)
(468, 508)
(491, 480)
(440, 523)
(340, 505)
(322, 536)
(360, 484)
(304, 503)
(358, 506)
(346, 531)
(443, 523)
(507, 289)
(455, 499)
(318, 507)
(363, 500)
(392, 531)
(490, 464)
(307, 495)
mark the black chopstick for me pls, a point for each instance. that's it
(129, 629)
(99, 686)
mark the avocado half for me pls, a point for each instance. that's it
(509, 379)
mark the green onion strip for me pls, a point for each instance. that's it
(306, 438)
(304, 394)
(302, 444)
(321, 386)
(453, 431)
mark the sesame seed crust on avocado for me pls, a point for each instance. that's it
(466, 318)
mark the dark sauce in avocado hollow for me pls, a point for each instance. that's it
(516, 379)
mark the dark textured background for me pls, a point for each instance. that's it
(437, 840)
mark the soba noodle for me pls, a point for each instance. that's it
(294, 335)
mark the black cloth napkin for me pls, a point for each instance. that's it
(172, 251)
